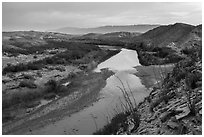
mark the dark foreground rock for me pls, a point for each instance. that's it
(180, 112)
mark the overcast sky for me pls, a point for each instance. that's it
(49, 16)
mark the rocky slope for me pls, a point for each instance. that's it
(176, 109)
(174, 105)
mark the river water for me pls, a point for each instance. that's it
(96, 116)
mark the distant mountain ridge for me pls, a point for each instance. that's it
(177, 35)
(107, 29)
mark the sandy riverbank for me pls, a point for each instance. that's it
(85, 89)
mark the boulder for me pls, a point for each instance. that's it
(200, 112)
(172, 125)
(131, 125)
(185, 111)
(164, 116)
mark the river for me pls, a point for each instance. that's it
(96, 116)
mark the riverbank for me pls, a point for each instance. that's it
(23, 90)
(128, 121)
(74, 89)
(85, 89)
(173, 106)
(154, 74)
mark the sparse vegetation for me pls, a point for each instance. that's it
(175, 101)
(119, 120)
(28, 84)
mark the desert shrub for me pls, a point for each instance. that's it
(52, 86)
(39, 74)
(63, 89)
(72, 75)
(161, 52)
(53, 52)
(18, 97)
(27, 76)
(61, 61)
(21, 67)
(191, 80)
(113, 126)
(7, 117)
(31, 104)
(35, 57)
(28, 96)
(49, 61)
(181, 75)
(60, 68)
(173, 58)
(49, 96)
(28, 84)
(117, 122)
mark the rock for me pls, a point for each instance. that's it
(172, 125)
(153, 117)
(200, 112)
(185, 111)
(199, 105)
(164, 109)
(131, 126)
(158, 131)
(120, 131)
(164, 116)
(175, 104)
(154, 92)
(144, 131)
(173, 119)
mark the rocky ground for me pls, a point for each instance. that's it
(21, 58)
(179, 113)
(170, 109)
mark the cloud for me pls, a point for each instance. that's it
(179, 14)
(43, 16)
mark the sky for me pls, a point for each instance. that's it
(50, 16)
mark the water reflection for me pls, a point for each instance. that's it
(96, 116)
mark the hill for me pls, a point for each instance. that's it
(194, 38)
(29, 41)
(107, 36)
(168, 34)
(107, 29)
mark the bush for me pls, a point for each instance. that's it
(35, 57)
(7, 117)
(191, 80)
(49, 96)
(18, 97)
(52, 86)
(27, 76)
(28, 84)
(60, 68)
(21, 67)
(113, 126)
